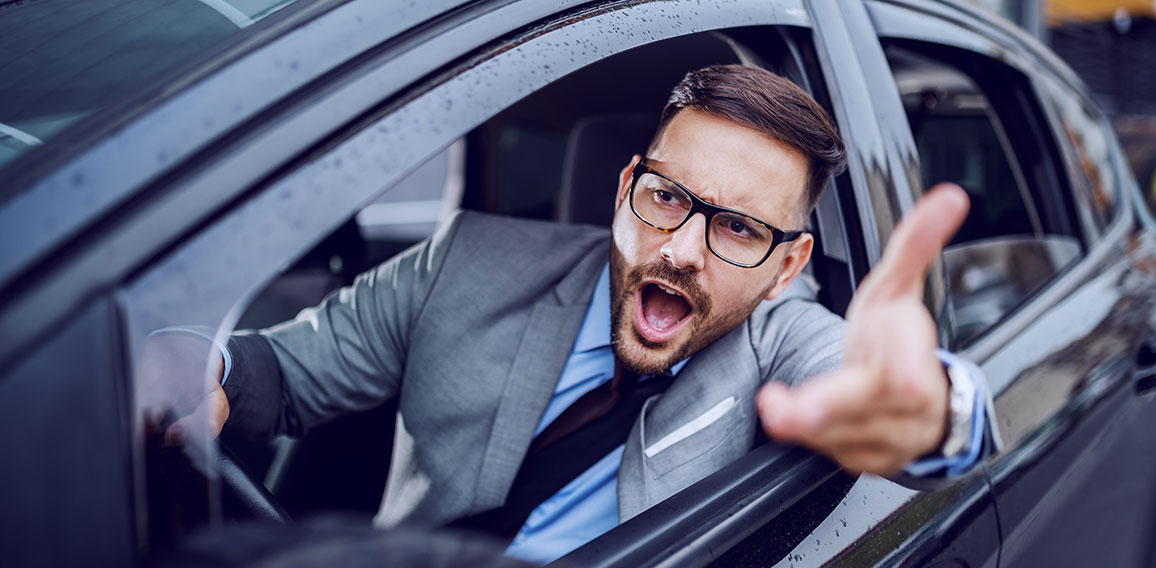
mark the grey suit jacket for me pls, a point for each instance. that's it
(472, 329)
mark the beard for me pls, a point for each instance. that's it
(646, 357)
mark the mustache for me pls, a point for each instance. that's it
(684, 280)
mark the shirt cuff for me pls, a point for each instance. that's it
(938, 464)
(228, 357)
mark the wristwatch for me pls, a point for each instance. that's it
(960, 410)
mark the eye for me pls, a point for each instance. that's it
(740, 229)
(663, 196)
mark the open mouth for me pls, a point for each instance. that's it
(662, 311)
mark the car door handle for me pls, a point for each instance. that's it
(1144, 377)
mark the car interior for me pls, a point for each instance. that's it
(555, 155)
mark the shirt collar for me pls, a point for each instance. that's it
(595, 332)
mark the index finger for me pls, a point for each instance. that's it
(919, 238)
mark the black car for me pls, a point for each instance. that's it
(224, 163)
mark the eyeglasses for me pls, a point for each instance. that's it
(734, 237)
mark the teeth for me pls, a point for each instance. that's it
(667, 290)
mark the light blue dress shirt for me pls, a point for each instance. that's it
(588, 506)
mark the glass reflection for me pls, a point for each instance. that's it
(60, 61)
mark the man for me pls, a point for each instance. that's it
(632, 362)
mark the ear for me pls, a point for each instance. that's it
(797, 257)
(624, 181)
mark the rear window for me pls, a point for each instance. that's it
(61, 60)
(970, 128)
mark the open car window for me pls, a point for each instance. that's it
(553, 156)
(506, 148)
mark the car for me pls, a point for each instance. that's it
(226, 163)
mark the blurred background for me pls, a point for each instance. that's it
(1111, 44)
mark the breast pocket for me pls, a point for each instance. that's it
(705, 439)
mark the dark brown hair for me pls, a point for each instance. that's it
(770, 104)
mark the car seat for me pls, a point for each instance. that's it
(596, 151)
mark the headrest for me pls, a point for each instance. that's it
(597, 150)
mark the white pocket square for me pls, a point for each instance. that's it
(683, 432)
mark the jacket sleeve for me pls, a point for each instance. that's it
(795, 338)
(346, 354)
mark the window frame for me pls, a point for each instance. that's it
(1093, 227)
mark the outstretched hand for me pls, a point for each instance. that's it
(887, 404)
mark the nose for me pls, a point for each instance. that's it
(686, 248)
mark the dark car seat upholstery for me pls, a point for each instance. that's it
(597, 150)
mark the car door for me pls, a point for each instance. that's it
(1049, 287)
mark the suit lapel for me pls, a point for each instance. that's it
(704, 421)
(544, 348)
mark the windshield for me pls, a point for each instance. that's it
(61, 60)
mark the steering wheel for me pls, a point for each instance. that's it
(242, 495)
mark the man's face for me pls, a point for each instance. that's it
(670, 296)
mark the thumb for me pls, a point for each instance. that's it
(919, 238)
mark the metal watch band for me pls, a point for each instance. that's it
(960, 412)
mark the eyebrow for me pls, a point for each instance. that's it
(741, 207)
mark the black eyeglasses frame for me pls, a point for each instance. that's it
(709, 210)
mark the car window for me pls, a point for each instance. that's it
(1015, 239)
(412, 209)
(563, 144)
(276, 225)
(60, 61)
